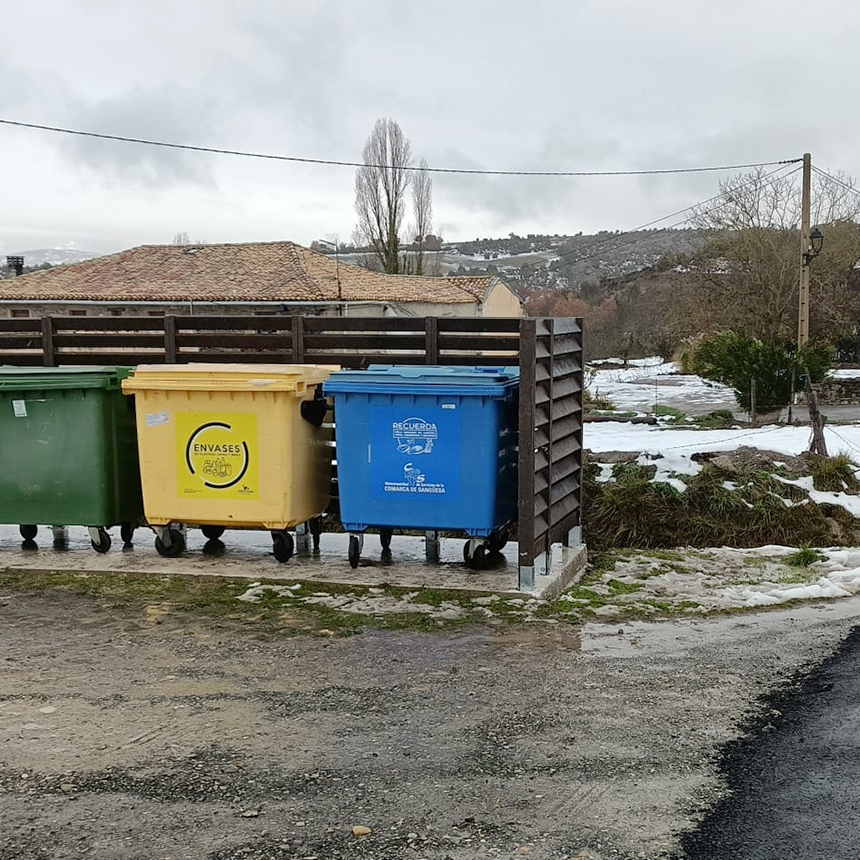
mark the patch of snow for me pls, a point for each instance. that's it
(605, 473)
(767, 595)
(848, 501)
(671, 463)
(790, 440)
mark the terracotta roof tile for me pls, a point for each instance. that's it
(254, 271)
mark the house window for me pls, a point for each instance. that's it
(155, 313)
(116, 312)
(77, 313)
(20, 313)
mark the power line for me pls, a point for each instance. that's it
(829, 429)
(836, 179)
(296, 159)
(695, 209)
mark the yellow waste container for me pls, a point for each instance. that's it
(231, 446)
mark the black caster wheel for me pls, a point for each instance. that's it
(476, 562)
(354, 550)
(498, 541)
(126, 532)
(101, 543)
(282, 546)
(214, 548)
(174, 548)
(385, 539)
(316, 530)
(212, 532)
(28, 532)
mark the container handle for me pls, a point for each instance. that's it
(313, 411)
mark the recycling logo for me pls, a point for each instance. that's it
(218, 455)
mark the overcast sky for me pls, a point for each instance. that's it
(492, 84)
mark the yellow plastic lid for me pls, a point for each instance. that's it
(227, 377)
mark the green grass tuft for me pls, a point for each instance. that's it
(669, 412)
(805, 556)
(834, 474)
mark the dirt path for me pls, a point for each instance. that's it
(150, 734)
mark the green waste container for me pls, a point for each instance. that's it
(68, 451)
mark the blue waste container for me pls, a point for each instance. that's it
(427, 448)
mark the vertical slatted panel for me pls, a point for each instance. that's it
(526, 459)
(550, 434)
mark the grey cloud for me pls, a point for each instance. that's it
(487, 84)
(291, 68)
(168, 113)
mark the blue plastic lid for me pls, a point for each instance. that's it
(419, 376)
(429, 374)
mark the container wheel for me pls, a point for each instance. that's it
(282, 545)
(176, 546)
(101, 543)
(28, 532)
(316, 530)
(385, 539)
(498, 540)
(212, 532)
(467, 556)
(126, 532)
(476, 562)
(354, 550)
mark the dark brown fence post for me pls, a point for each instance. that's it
(48, 341)
(551, 513)
(170, 339)
(298, 340)
(526, 463)
(431, 336)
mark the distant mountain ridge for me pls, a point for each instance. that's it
(53, 256)
(555, 261)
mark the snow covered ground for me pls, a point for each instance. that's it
(646, 382)
(681, 443)
(701, 581)
(650, 381)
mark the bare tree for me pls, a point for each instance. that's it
(422, 209)
(750, 264)
(380, 193)
(181, 238)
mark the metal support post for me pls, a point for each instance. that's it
(526, 580)
(303, 538)
(574, 537)
(431, 546)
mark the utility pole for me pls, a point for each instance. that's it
(803, 308)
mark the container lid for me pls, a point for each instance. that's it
(227, 377)
(442, 379)
(43, 378)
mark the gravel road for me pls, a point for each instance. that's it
(152, 733)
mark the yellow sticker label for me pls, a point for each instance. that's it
(217, 455)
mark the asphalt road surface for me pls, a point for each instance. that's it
(796, 777)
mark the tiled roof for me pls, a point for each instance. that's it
(254, 271)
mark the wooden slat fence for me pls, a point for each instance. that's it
(550, 441)
(548, 351)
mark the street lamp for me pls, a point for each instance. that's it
(816, 243)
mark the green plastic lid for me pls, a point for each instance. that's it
(42, 378)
